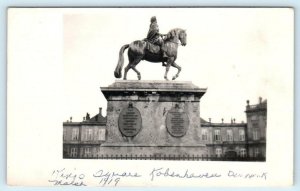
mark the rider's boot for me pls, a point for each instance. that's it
(164, 54)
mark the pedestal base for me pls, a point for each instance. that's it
(153, 118)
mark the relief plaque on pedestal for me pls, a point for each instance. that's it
(130, 121)
(177, 122)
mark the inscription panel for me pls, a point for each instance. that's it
(130, 121)
(177, 122)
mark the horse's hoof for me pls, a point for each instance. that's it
(173, 78)
(139, 77)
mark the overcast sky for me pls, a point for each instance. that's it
(234, 53)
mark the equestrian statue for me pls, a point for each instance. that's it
(155, 48)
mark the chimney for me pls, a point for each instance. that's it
(100, 111)
(209, 120)
(222, 120)
(260, 100)
(248, 106)
(71, 119)
(233, 120)
(87, 116)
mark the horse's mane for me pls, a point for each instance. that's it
(173, 32)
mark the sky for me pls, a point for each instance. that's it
(231, 52)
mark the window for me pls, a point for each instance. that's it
(255, 134)
(101, 134)
(98, 152)
(218, 152)
(242, 135)
(265, 119)
(256, 152)
(204, 134)
(255, 124)
(64, 134)
(243, 152)
(85, 134)
(217, 135)
(90, 134)
(75, 134)
(73, 152)
(94, 151)
(87, 152)
(229, 135)
(254, 121)
(254, 118)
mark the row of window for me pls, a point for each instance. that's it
(88, 134)
(242, 152)
(217, 135)
(87, 152)
(229, 135)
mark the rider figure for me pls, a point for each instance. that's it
(155, 37)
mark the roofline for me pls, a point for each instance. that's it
(224, 124)
(83, 123)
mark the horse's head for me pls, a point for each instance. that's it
(182, 37)
(177, 34)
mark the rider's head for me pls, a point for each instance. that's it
(153, 19)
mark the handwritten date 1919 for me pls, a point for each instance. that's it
(107, 178)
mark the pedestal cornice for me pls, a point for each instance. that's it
(144, 88)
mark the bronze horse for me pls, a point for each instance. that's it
(138, 51)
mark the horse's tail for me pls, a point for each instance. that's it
(118, 70)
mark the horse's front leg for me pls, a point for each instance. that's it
(169, 63)
(167, 70)
(178, 70)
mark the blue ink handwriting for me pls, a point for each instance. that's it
(63, 177)
(107, 178)
(233, 174)
(166, 172)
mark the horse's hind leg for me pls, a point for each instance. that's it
(134, 63)
(178, 70)
(138, 73)
(125, 71)
(131, 59)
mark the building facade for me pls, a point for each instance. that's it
(257, 128)
(223, 141)
(83, 139)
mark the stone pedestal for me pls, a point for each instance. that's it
(154, 118)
